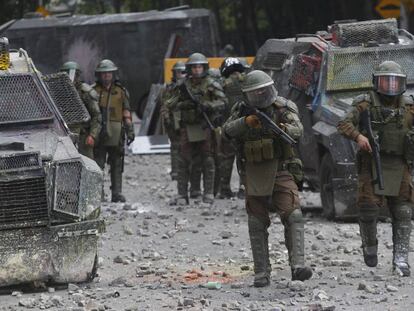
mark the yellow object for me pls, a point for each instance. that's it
(4, 54)
(214, 62)
(42, 10)
(388, 8)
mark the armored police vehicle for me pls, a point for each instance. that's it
(49, 193)
(137, 42)
(322, 73)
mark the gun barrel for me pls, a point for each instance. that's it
(274, 128)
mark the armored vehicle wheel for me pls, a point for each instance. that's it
(326, 175)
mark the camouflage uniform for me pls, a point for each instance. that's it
(232, 89)
(168, 102)
(115, 109)
(90, 99)
(196, 138)
(269, 187)
(392, 121)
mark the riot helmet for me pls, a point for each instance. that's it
(259, 89)
(72, 69)
(192, 62)
(178, 71)
(389, 79)
(105, 71)
(230, 65)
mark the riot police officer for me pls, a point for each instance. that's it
(168, 102)
(269, 186)
(116, 122)
(391, 119)
(233, 73)
(88, 133)
(200, 99)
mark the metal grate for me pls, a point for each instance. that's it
(22, 100)
(304, 72)
(352, 68)
(66, 98)
(67, 187)
(23, 202)
(354, 34)
(274, 61)
(20, 161)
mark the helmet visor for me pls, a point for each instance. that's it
(391, 85)
(262, 97)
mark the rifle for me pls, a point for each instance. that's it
(271, 125)
(373, 140)
(184, 89)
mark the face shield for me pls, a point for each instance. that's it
(390, 84)
(179, 74)
(262, 97)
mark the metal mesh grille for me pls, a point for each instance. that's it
(352, 68)
(67, 186)
(23, 202)
(274, 60)
(22, 100)
(304, 70)
(66, 98)
(19, 161)
(354, 34)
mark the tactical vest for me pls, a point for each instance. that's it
(190, 113)
(261, 144)
(114, 98)
(263, 154)
(391, 124)
(111, 104)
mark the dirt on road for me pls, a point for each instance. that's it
(158, 257)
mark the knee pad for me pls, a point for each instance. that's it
(295, 217)
(402, 211)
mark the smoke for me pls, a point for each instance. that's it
(87, 55)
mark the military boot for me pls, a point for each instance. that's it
(118, 197)
(368, 215)
(401, 230)
(208, 180)
(226, 168)
(195, 179)
(294, 239)
(257, 234)
(182, 182)
(116, 179)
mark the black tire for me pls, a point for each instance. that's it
(326, 174)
